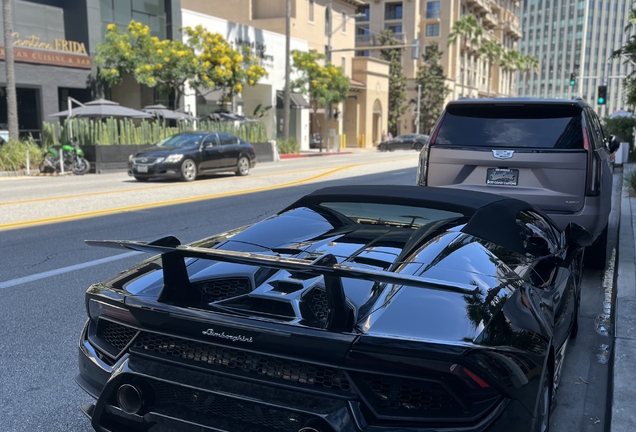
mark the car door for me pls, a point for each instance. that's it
(211, 153)
(231, 149)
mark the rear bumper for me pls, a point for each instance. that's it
(178, 397)
(593, 217)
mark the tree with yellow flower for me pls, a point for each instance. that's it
(222, 65)
(166, 64)
(324, 85)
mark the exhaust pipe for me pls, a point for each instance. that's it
(130, 398)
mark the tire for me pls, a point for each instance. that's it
(243, 166)
(82, 167)
(545, 403)
(418, 146)
(45, 169)
(391, 149)
(188, 170)
(383, 148)
(596, 255)
(141, 179)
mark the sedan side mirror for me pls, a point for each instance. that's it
(577, 236)
(613, 144)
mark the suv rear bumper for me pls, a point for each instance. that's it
(593, 217)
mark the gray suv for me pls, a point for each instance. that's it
(550, 153)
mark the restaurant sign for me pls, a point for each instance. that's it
(60, 53)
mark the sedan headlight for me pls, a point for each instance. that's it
(174, 158)
(130, 158)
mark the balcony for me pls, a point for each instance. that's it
(482, 5)
(490, 20)
(513, 30)
(372, 40)
(495, 5)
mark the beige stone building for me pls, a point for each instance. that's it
(467, 74)
(362, 118)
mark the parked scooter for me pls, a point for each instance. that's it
(73, 157)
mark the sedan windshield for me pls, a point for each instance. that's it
(181, 141)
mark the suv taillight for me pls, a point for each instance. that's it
(593, 179)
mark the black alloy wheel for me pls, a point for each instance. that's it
(243, 166)
(188, 170)
(383, 147)
(418, 146)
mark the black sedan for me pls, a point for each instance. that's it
(357, 308)
(188, 155)
(404, 142)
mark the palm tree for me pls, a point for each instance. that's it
(12, 101)
(466, 29)
(509, 62)
(491, 50)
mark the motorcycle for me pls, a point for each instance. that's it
(73, 157)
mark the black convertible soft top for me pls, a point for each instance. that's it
(491, 217)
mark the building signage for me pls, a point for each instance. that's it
(32, 49)
(259, 49)
(53, 58)
(57, 45)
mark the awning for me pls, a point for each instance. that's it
(213, 96)
(296, 101)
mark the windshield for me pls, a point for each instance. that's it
(521, 126)
(180, 141)
(388, 214)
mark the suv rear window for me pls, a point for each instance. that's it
(512, 126)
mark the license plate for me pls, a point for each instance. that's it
(502, 176)
(142, 168)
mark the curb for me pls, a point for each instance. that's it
(304, 155)
(50, 174)
(623, 391)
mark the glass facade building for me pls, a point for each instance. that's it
(575, 36)
(152, 13)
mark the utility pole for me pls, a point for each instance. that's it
(286, 93)
(419, 100)
(12, 101)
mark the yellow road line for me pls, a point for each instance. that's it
(76, 216)
(137, 189)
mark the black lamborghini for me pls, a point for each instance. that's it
(357, 308)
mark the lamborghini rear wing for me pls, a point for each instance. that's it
(178, 290)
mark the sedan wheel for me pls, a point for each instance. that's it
(243, 166)
(188, 170)
(418, 146)
(383, 148)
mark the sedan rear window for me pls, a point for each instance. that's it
(512, 126)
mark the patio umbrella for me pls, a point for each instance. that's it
(162, 112)
(102, 108)
(222, 116)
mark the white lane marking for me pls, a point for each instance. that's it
(47, 274)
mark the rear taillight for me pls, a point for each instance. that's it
(97, 309)
(436, 129)
(593, 178)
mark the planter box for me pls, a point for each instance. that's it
(264, 152)
(105, 158)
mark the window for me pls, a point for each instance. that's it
(363, 10)
(227, 139)
(362, 30)
(343, 63)
(362, 53)
(310, 11)
(343, 17)
(393, 11)
(432, 9)
(432, 30)
(395, 28)
(148, 12)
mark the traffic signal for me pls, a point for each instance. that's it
(572, 79)
(602, 95)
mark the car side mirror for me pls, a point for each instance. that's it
(613, 144)
(577, 236)
(537, 246)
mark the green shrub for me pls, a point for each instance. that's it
(630, 180)
(126, 131)
(289, 146)
(13, 155)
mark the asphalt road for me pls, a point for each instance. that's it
(40, 320)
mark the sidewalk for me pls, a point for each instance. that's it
(624, 371)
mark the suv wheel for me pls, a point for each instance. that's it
(596, 255)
